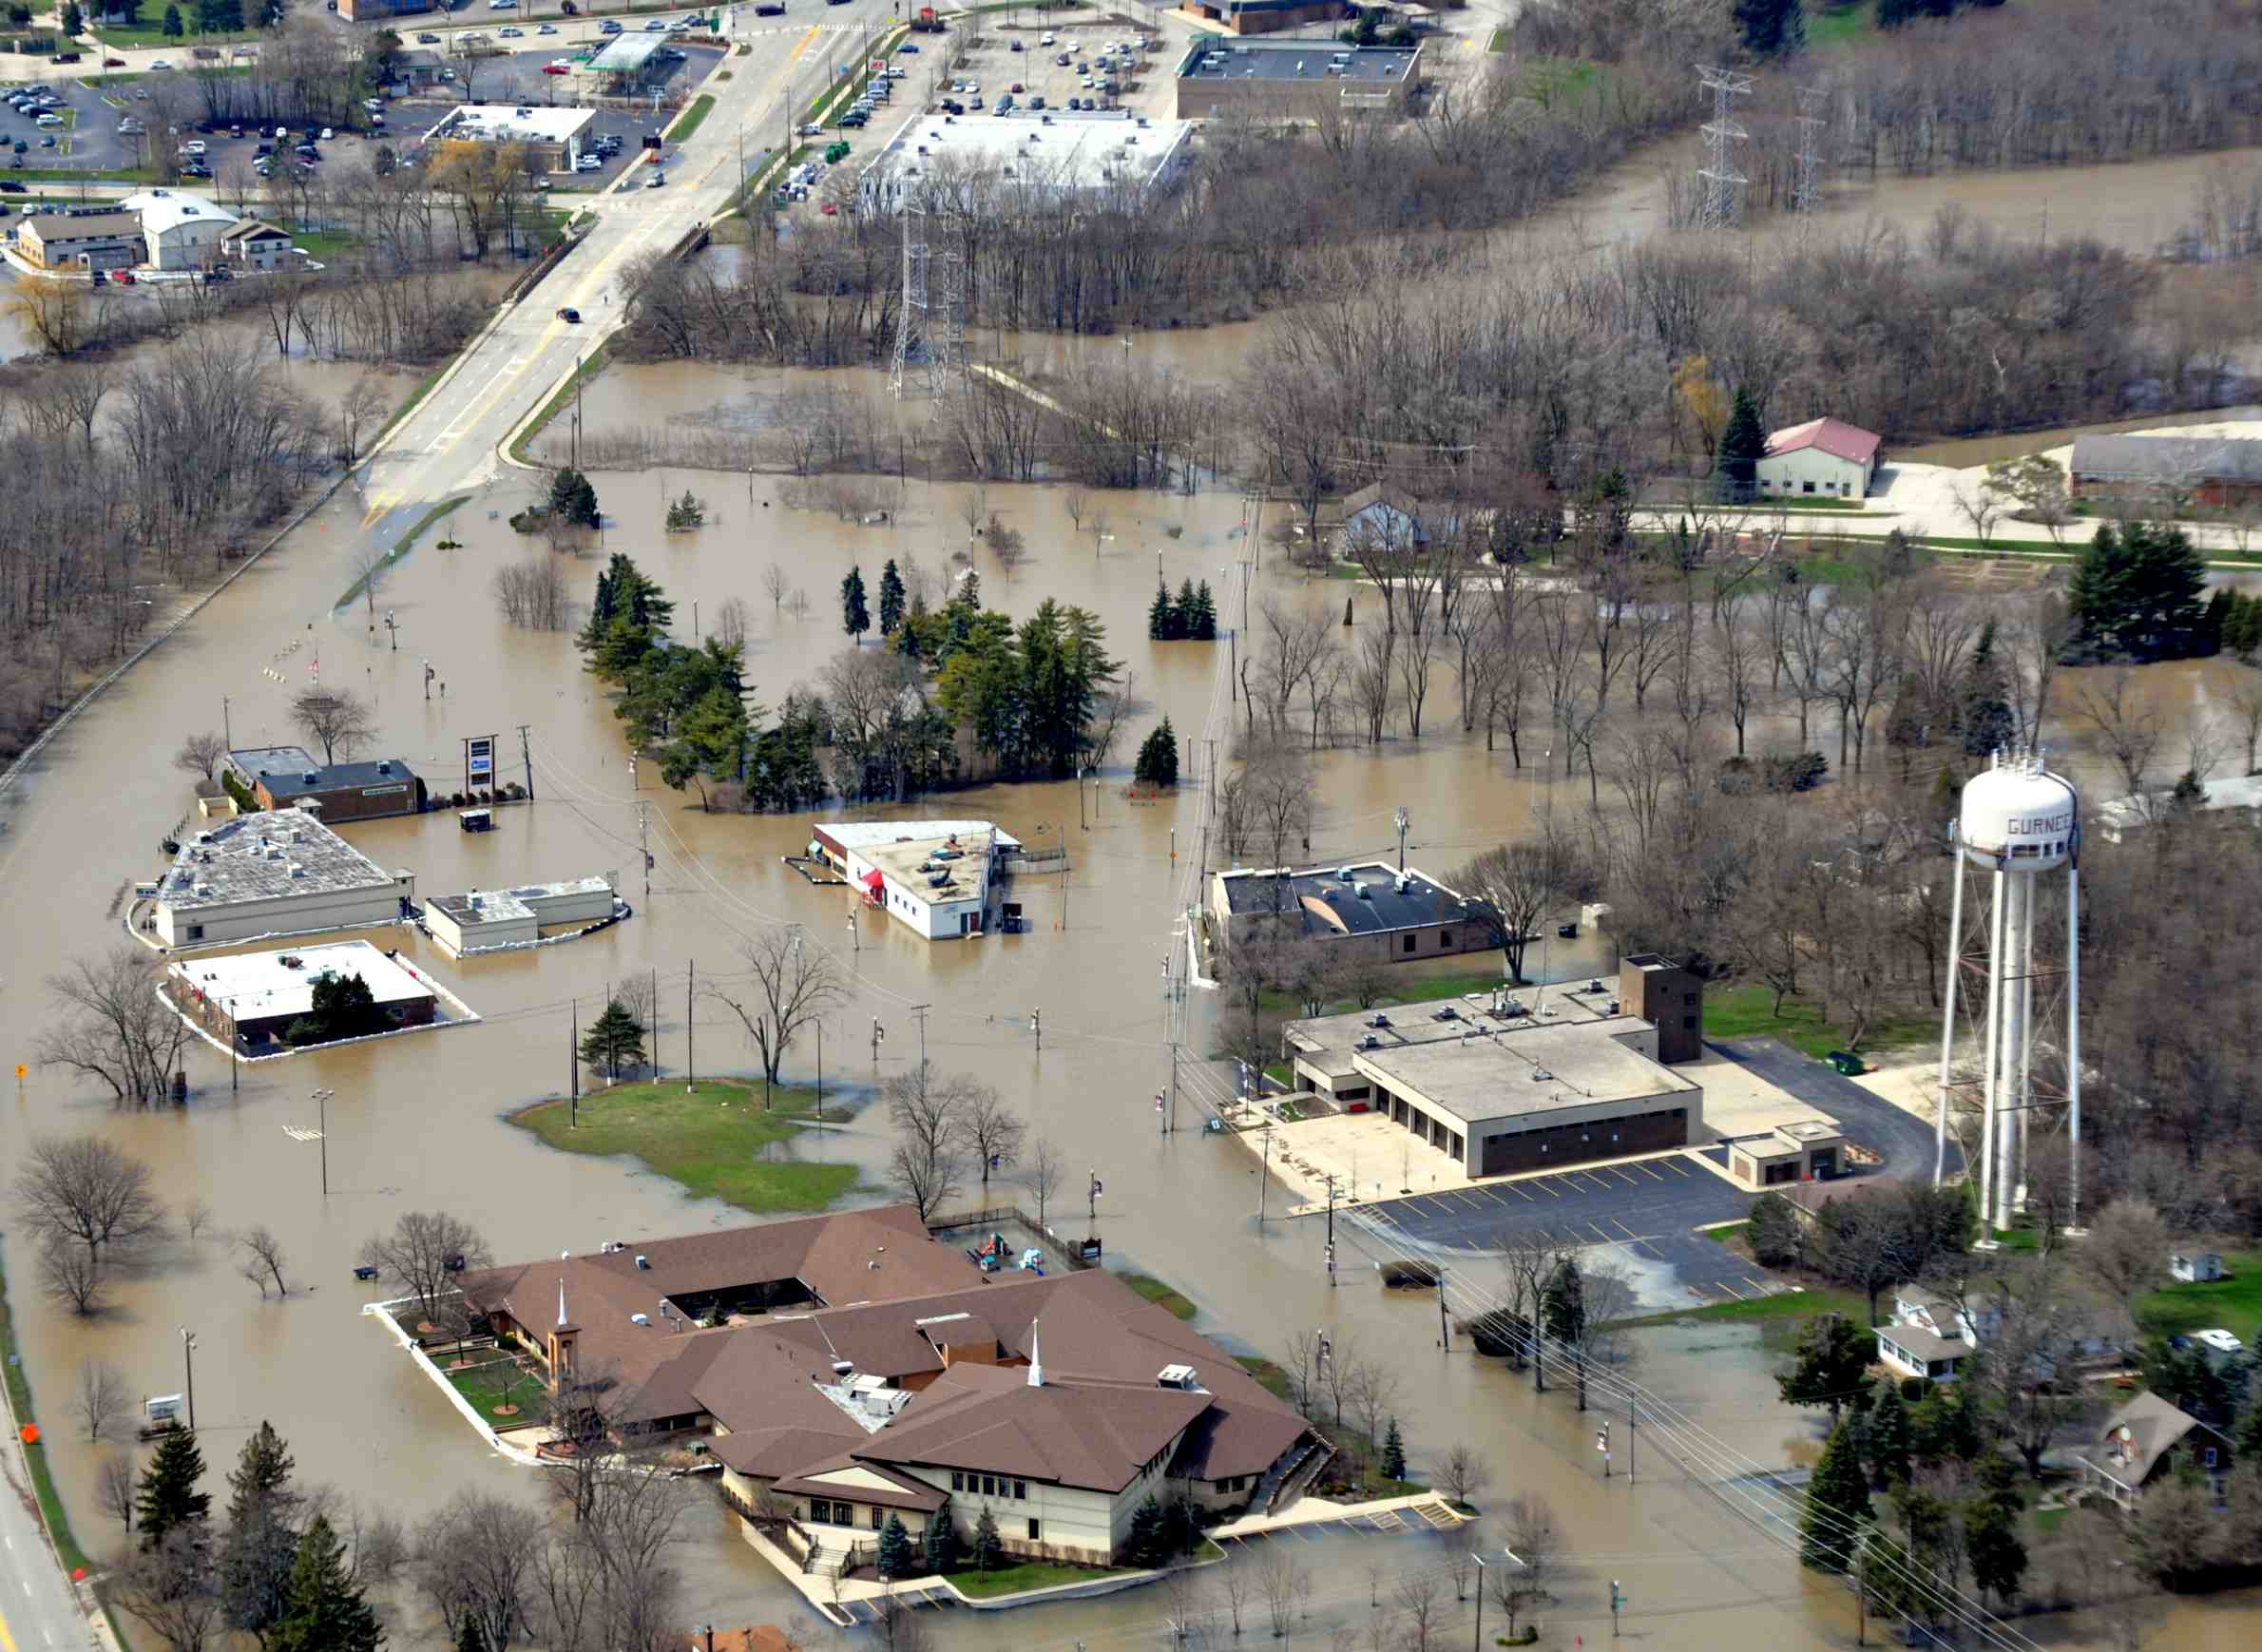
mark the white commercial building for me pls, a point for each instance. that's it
(181, 231)
(553, 136)
(256, 998)
(933, 876)
(1823, 457)
(482, 920)
(275, 873)
(982, 164)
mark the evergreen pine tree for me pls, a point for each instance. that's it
(470, 1638)
(890, 599)
(572, 498)
(1157, 762)
(895, 1548)
(1147, 1544)
(1837, 1501)
(1770, 28)
(1741, 444)
(325, 1612)
(989, 1549)
(1204, 627)
(1991, 1541)
(856, 619)
(1393, 1452)
(172, 27)
(168, 1497)
(942, 1541)
(1986, 713)
(1889, 1437)
(615, 1039)
(1161, 615)
(2135, 591)
(260, 1546)
(1183, 611)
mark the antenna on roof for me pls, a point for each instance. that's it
(1036, 1358)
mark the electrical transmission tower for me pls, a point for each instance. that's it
(1806, 193)
(931, 338)
(1721, 206)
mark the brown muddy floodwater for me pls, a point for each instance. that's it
(416, 1122)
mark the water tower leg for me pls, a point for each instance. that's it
(1947, 1019)
(2024, 953)
(2073, 1044)
(1992, 1090)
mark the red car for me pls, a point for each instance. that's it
(554, 69)
(124, 278)
(828, 209)
(113, 63)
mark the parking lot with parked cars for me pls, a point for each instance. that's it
(60, 124)
(1037, 68)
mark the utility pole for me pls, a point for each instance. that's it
(1477, 1639)
(322, 1103)
(525, 754)
(1445, 1325)
(188, 1359)
(690, 1053)
(1616, 1600)
(1264, 1173)
(1402, 820)
(573, 1067)
(920, 1010)
(1092, 1199)
(655, 1024)
(1037, 1026)
(227, 728)
(820, 1073)
(1633, 1428)
(878, 1032)
(644, 843)
(1331, 1233)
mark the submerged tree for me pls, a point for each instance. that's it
(615, 1039)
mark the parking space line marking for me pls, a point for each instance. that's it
(1756, 1285)
(1542, 1182)
(1600, 1235)
(1627, 1231)
(1648, 1172)
(1729, 1289)
(1519, 1192)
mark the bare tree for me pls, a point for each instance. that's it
(72, 1276)
(425, 1251)
(1460, 1473)
(730, 622)
(260, 1259)
(1233, 1584)
(1420, 1610)
(531, 594)
(358, 411)
(991, 1133)
(1042, 1173)
(1512, 890)
(474, 1562)
(2126, 1253)
(201, 754)
(102, 1396)
(928, 1111)
(776, 582)
(2127, 726)
(794, 983)
(171, 1590)
(110, 1024)
(1535, 1545)
(115, 1490)
(1980, 507)
(81, 1191)
(336, 720)
(1282, 1582)
(196, 1216)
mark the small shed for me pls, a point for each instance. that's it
(2195, 1267)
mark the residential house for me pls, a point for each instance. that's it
(2146, 1439)
(2195, 1267)
(257, 245)
(1824, 457)
(1930, 1335)
(1397, 916)
(846, 1368)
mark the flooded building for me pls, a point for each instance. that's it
(853, 1369)
(252, 999)
(1044, 162)
(289, 777)
(934, 876)
(2214, 471)
(1398, 915)
(275, 873)
(182, 232)
(79, 241)
(487, 920)
(1288, 78)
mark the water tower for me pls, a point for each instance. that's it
(2015, 1007)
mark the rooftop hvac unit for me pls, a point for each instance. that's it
(296, 870)
(1364, 893)
(640, 1318)
(1539, 1075)
(642, 1260)
(843, 1367)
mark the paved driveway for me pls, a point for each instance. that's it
(1905, 1140)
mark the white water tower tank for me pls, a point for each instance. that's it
(2018, 816)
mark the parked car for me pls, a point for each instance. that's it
(556, 68)
(608, 26)
(428, 40)
(113, 63)
(509, 34)
(547, 28)
(568, 314)
(658, 181)
(160, 63)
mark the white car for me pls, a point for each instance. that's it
(50, 120)
(508, 33)
(160, 63)
(547, 28)
(194, 147)
(589, 163)
(327, 134)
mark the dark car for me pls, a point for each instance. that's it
(569, 314)
(428, 40)
(263, 149)
(9, 187)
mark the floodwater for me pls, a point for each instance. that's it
(416, 1122)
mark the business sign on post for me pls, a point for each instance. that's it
(479, 762)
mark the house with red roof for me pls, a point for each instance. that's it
(1825, 458)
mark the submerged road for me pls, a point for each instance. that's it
(451, 441)
(39, 1610)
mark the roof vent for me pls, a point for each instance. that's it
(1539, 1075)
(1364, 893)
(640, 1318)
(384, 768)
(296, 870)
(642, 1260)
(843, 1367)
(1178, 1376)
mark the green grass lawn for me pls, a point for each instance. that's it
(1268, 1376)
(714, 1141)
(2234, 1303)
(150, 31)
(688, 122)
(1834, 25)
(1154, 1289)
(1750, 1011)
(1784, 1305)
(1548, 81)
(325, 246)
(498, 1381)
(1015, 1580)
(42, 1477)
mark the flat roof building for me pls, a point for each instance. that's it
(255, 998)
(1507, 1082)
(552, 137)
(977, 164)
(1264, 16)
(2215, 472)
(489, 920)
(1400, 916)
(275, 873)
(289, 777)
(80, 240)
(933, 875)
(1286, 78)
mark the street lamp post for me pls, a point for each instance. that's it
(1082, 824)
(323, 1135)
(1402, 820)
(1477, 1639)
(188, 1360)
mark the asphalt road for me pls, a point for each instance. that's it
(39, 1611)
(1904, 1141)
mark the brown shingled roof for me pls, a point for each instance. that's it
(989, 1418)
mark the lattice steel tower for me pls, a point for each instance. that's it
(1806, 193)
(1722, 204)
(931, 338)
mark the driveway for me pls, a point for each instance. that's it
(1904, 1140)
